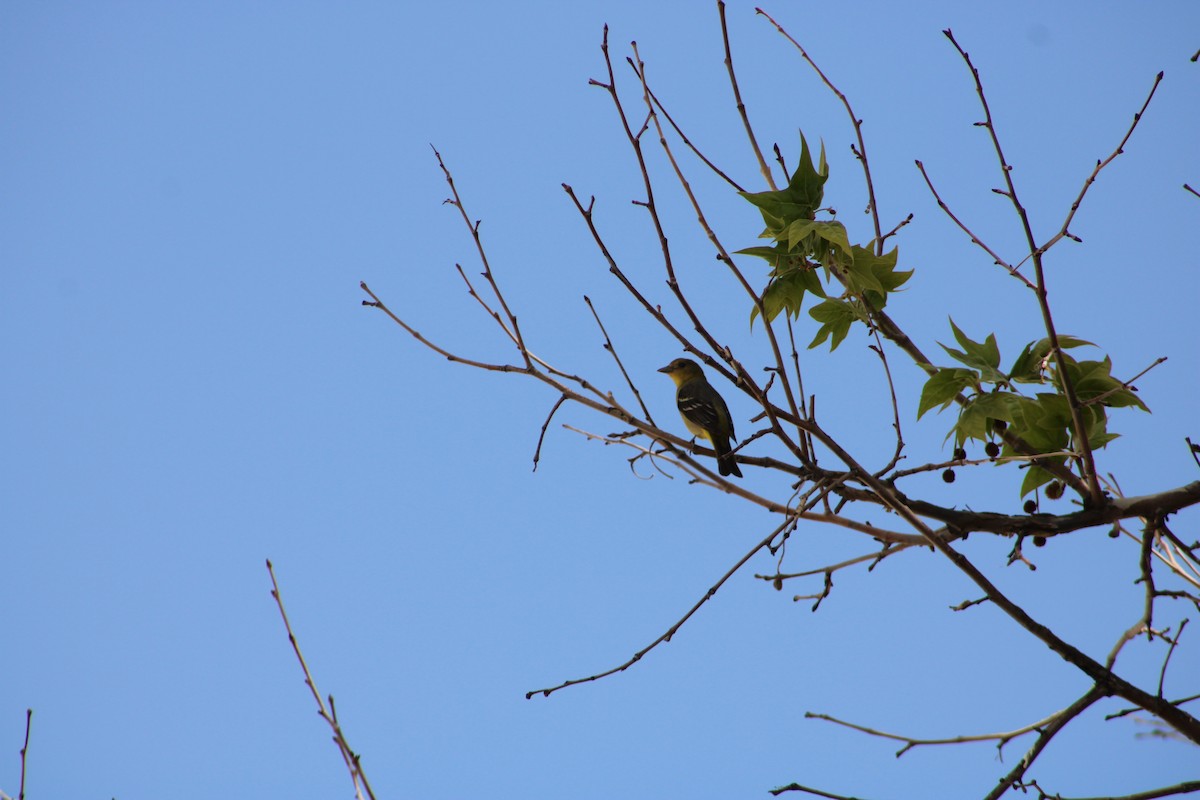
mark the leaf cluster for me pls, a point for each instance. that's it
(813, 256)
(992, 400)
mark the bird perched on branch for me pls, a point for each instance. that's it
(703, 411)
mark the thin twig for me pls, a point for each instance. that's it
(691, 146)
(1053, 726)
(537, 453)
(805, 439)
(887, 371)
(495, 315)
(965, 604)
(1002, 738)
(353, 762)
(670, 632)
(487, 269)
(975, 240)
(25, 753)
(375, 302)
(1135, 709)
(1064, 232)
(876, 557)
(737, 96)
(679, 449)
(1100, 398)
(796, 787)
(1162, 675)
(899, 225)
(1187, 787)
(1145, 623)
(608, 345)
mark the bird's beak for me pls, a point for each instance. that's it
(667, 368)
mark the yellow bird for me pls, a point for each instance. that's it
(703, 411)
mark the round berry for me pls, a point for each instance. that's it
(1030, 506)
(960, 453)
(948, 476)
(1039, 541)
(1054, 490)
(992, 449)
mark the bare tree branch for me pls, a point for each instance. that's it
(1064, 232)
(737, 96)
(670, 632)
(352, 759)
(1001, 738)
(1187, 787)
(24, 758)
(975, 240)
(796, 787)
(1056, 724)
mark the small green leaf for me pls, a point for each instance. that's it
(1036, 476)
(973, 423)
(1028, 366)
(834, 233)
(1093, 380)
(802, 197)
(885, 279)
(1123, 398)
(983, 356)
(787, 292)
(779, 257)
(769, 253)
(944, 386)
(975, 420)
(836, 317)
(987, 352)
(1043, 423)
(807, 185)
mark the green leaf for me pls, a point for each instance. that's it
(780, 258)
(975, 420)
(944, 386)
(861, 279)
(973, 423)
(787, 292)
(807, 186)
(1096, 421)
(1043, 423)
(999, 405)
(1036, 476)
(769, 253)
(883, 279)
(1027, 367)
(834, 233)
(983, 356)
(802, 197)
(835, 317)
(1093, 380)
(1123, 398)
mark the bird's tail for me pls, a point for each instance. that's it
(725, 463)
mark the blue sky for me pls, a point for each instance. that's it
(191, 194)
